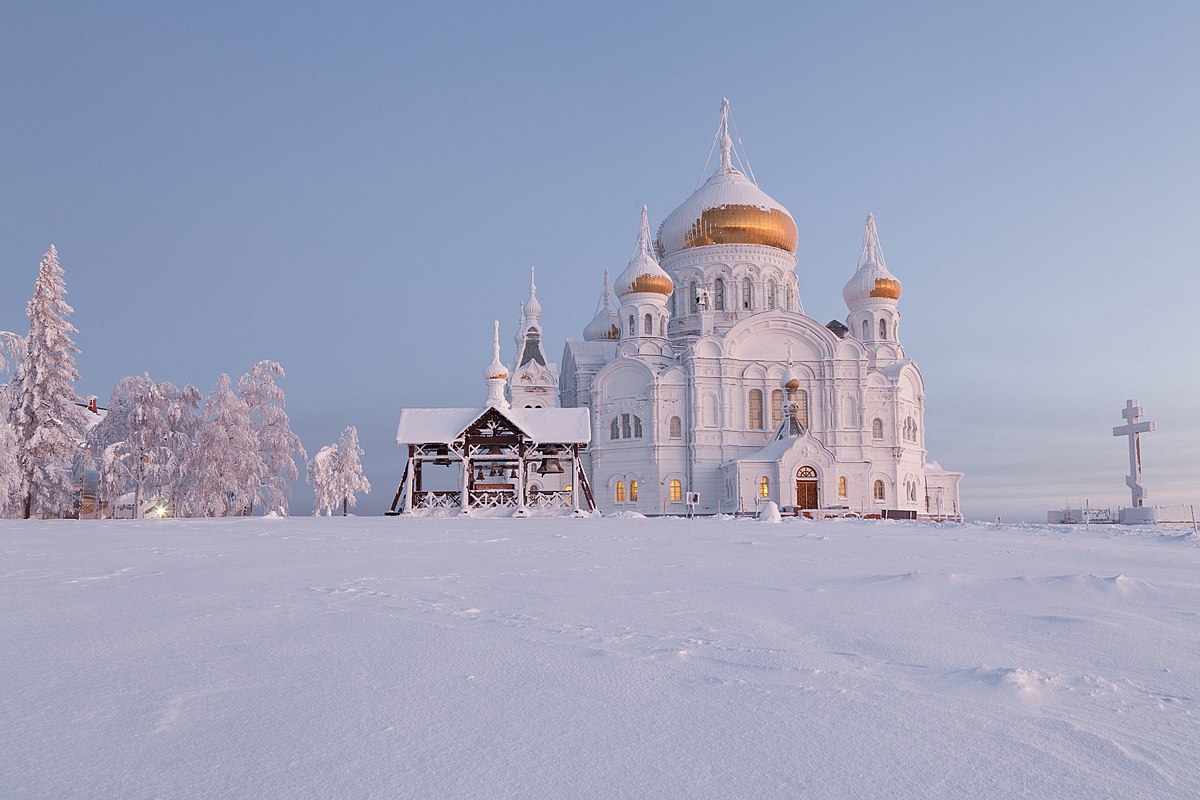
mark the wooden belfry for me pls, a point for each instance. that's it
(514, 460)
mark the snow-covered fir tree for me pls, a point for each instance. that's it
(10, 467)
(48, 422)
(12, 352)
(336, 474)
(225, 472)
(277, 445)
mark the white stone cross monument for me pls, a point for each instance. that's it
(1132, 427)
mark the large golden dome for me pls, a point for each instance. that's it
(728, 209)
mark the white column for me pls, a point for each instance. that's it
(464, 502)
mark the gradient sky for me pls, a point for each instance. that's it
(357, 190)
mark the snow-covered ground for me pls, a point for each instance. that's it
(611, 658)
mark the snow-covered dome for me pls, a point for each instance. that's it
(871, 283)
(604, 325)
(728, 209)
(643, 273)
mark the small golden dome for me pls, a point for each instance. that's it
(649, 282)
(886, 287)
(793, 384)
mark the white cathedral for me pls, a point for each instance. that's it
(710, 390)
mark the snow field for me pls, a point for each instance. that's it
(401, 657)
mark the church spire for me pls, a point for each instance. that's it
(496, 373)
(725, 139)
(643, 241)
(533, 309)
(872, 252)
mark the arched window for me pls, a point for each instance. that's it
(614, 430)
(672, 305)
(662, 326)
(776, 407)
(772, 301)
(676, 491)
(866, 330)
(632, 326)
(626, 427)
(802, 407)
(764, 486)
(877, 428)
(633, 491)
(842, 486)
(637, 427)
(756, 409)
(676, 428)
(883, 329)
(620, 491)
(694, 296)
(747, 300)
(880, 492)
(808, 473)
(719, 294)
(849, 417)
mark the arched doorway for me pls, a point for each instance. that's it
(806, 487)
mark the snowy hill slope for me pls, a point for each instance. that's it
(596, 658)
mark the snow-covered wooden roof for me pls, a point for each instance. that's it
(542, 425)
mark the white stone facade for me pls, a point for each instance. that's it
(716, 382)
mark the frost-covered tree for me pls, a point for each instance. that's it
(10, 467)
(144, 438)
(12, 352)
(130, 440)
(322, 475)
(336, 474)
(48, 423)
(224, 472)
(277, 445)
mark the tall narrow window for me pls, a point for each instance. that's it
(776, 407)
(772, 300)
(764, 486)
(676, 491)
(626, 427)
(883, 329)
(676, 428)
(841, 486)
(633, 491)
(802, 407)
(614, 430)
(880, 492)
(672, 306)
(877, 428)
(637, 427)
(747, 302)
(756, 409)
(719, 294)
(620, 491)
(694, 296)
(866, 330)
(648, 325)
(632, 326)
(662, 326)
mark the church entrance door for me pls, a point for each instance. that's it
(806, 487)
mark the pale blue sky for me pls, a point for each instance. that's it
(358, 191)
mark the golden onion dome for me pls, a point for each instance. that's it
(872, 282)
(728, 209)
(643, 273)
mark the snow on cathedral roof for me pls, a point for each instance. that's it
(542, 425)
